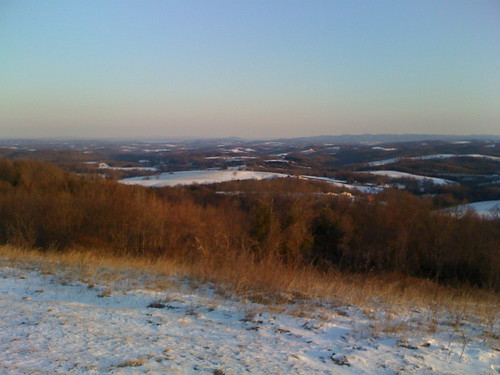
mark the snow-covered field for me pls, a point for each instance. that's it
(198, 177)
(433, 156)
(485, 209)
(105, 166)
(58, 324)
(209, 176)
(397, 174)
(384, 148)
(367, 189)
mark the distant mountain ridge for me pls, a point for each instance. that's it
(390, 138)
(338, 139)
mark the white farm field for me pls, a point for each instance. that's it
(397, 174)
(207, 176)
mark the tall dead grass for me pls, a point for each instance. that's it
(266, 282)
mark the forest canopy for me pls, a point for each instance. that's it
(43, 207)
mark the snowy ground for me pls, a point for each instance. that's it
(367, 189)
(198, 177)
(397, 174)
(57, 324)
(485, 209)
(433, 156)
(209, 176)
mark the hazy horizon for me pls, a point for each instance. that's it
(261, 69)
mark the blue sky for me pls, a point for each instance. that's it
(248, 68)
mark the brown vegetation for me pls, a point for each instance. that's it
(276, 286)
(397, 233)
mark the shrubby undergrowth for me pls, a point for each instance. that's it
(43, 207)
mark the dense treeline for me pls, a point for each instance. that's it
(42, 206)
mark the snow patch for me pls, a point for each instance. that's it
(384, 148)
(433, 156)
(59, 326)
(367, 189)
(397, 174)
(485, 209)
(198, 177)
(106, 166)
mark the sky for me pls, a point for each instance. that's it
(255, 69)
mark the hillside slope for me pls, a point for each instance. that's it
(55, 324)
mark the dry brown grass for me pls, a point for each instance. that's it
(132, 363)
(268, 282)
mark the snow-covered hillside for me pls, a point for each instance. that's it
(485, 209)
(198, 177)
(397, 174)
(367, 189)
(209, 176)
(433, 156)
(55, 324)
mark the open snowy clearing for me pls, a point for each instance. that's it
(384, 148)
(367, 189)
(210, 176)
(55, 323)
(198, 177)
(105, 166)
(485, 209)
(397, 174)
(433, 156)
